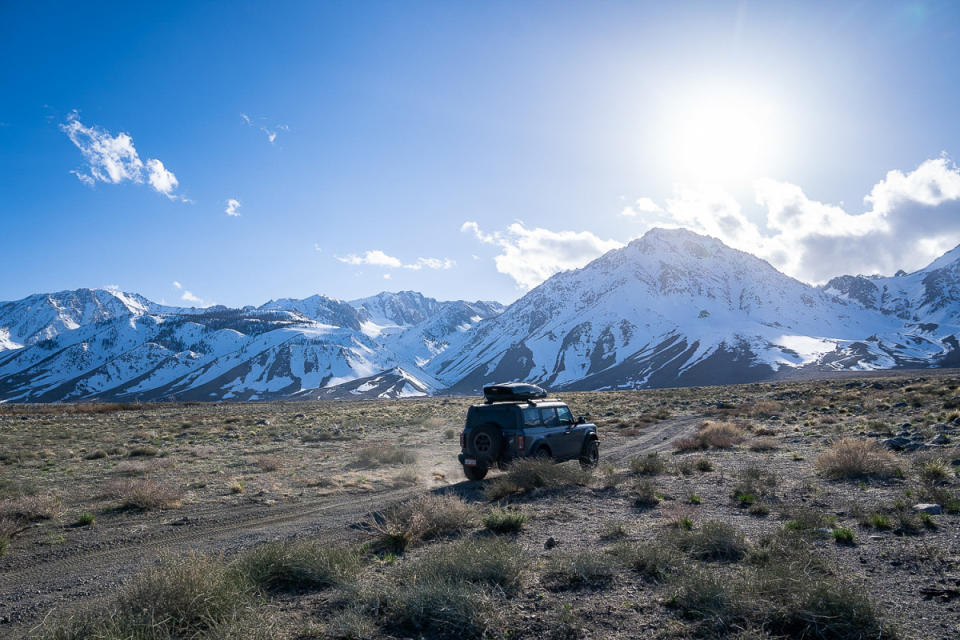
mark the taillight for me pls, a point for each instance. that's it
(463, 440)
(521, 442)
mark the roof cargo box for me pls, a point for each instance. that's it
(512, 392)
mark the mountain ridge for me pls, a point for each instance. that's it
(670, 308)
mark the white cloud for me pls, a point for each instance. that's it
(530, 256)
(641, 205)
(375, 258)
(387, 276)
(910, 220)
(431, 263)
(177, 285)
(189, 297)
(378, 258)
(317, 248)
(233, 207)
(160, 179)
(114, 159)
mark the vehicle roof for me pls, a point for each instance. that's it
(541, 402)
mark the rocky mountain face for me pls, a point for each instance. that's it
(671, 308)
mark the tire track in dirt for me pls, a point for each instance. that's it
(29, 592)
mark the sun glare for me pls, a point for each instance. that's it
(721, 135)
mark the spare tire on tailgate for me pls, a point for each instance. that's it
(485, 442)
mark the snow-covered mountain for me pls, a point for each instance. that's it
(678, 308)
(671, 308)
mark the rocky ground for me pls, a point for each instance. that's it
(98, 496)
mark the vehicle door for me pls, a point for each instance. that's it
(572, 434)
(556, 437)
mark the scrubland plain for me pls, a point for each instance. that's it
(807, 509)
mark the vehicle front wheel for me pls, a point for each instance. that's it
(590, 455)
(475, 472)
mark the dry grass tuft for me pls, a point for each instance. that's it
(718, 435)
(530, 473)
(852, 458)
(425, 518)
(144, 494)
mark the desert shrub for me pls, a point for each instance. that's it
(143, 452)
(268, 462)
(190, 597)
(299, 566)
(612, 529)
(425, 518)
(784, 597)
(763, 444)
(648, 465)
(492, 562)
(653, 561)
(144, 494)
(854, 458)
(30, 508)
(752, 483)
(703, 465)
(438, 609)
(714, 540)
(934, 471)
(590, 567)
(843, 535)
(718, 435)
(803, 519)
(372, 457)
(531, 473)
(504, 521)
(645, 494)
(96, 454)
(86, 519)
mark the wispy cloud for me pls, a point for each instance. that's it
(530, 256)
(114, 159)
(270, 130)
(187, 295)
(378, 258)
(233, 208)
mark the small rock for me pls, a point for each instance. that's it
(300, 415)
(876, 537)
(941, 438)
(899, 405)
(550, 543)
(264, 422)
(932, 509)
(906, 425)
(895, 443)
(955, 462)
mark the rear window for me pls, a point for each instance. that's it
(505, 416)
(531, 417)
(549, 417)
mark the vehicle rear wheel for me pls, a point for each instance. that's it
(475, 472)
(590, 455)
(542, 453)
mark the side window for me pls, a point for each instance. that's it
(564, 415)
(549, 417)
(531, 417)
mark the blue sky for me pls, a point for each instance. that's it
(465, 150)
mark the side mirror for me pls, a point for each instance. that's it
(581, 420)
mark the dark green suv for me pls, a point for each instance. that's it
(519, 421)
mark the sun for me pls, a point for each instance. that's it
(721, 135)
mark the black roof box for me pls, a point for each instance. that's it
(512, 392)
